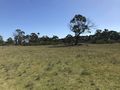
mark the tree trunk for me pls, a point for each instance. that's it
(76, 40)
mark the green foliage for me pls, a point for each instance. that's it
(1, 40)
(69, 40)
(10, 41)
(79, 25)
(18, 36)
(106, 36)
(33, 37)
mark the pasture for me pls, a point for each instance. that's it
(92, 67)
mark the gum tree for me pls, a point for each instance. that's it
(80, 24)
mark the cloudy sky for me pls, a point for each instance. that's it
(51, 17)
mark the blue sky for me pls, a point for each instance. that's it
(51, 17)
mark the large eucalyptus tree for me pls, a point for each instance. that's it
(80, 24)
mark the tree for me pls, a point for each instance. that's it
(55, 38)
(113, 35)
(26, 40)
(38, 34)
(98, 34)
(69, 39)
(10, 40)
(45, 38)
(34, 37)
(105, 35)
(18, 36)
(1, 40)
(79, 24)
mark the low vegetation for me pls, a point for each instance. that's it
(85, 67)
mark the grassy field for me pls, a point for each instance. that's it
(92, 67)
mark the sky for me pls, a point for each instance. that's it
(52, 17)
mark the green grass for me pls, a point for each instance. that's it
(92, 67)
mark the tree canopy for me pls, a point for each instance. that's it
(79, 24)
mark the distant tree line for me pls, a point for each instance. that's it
(79, 25)
(100, 37)
(20, 38)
